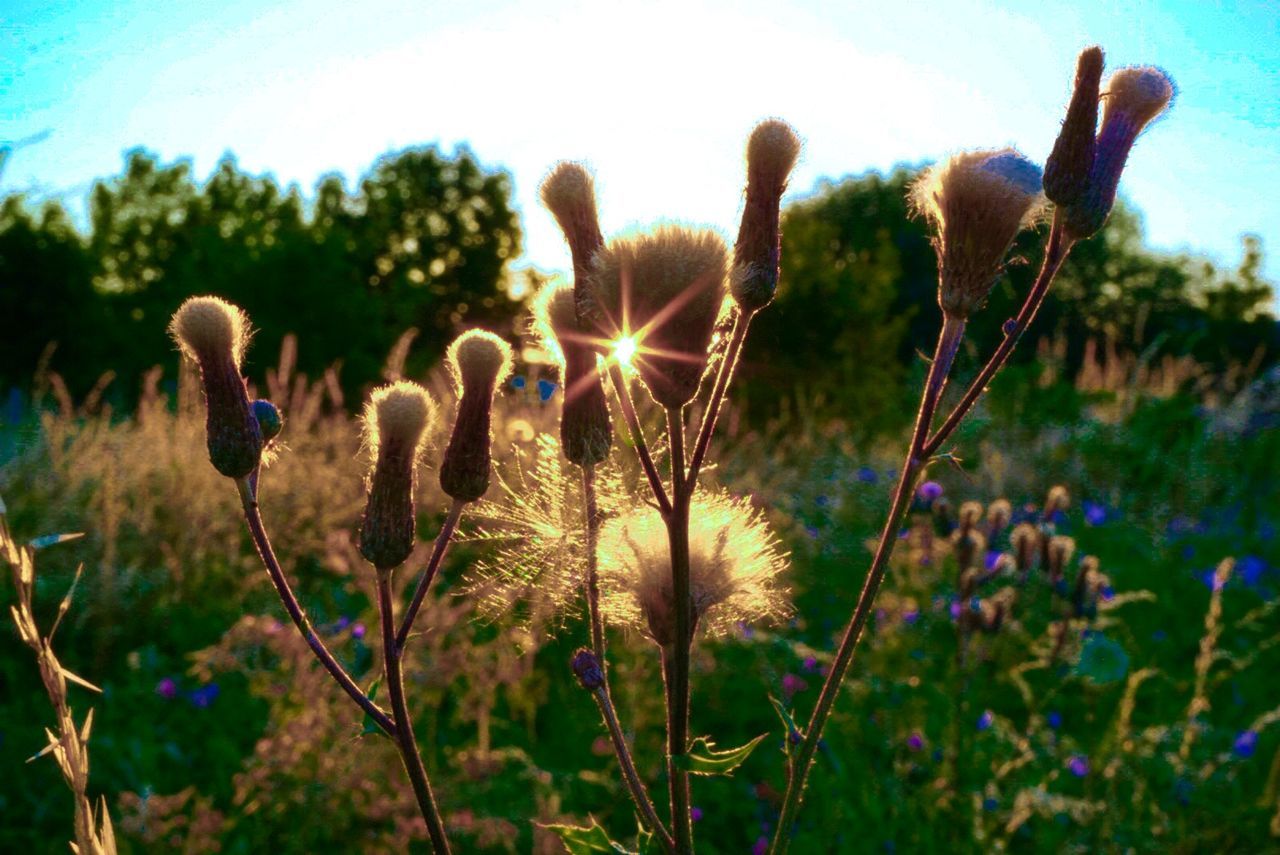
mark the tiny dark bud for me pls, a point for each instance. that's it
(270, 422)
(587, 669)
(1066, 172)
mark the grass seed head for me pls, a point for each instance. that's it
(478, 361)
(397, 420)
(772, 151)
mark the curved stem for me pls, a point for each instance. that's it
(637, 438)
(591, 522)
(253, 517)
(433, 565)
(676, 655)
(724, 377)
(802, 763)
(1054, 254)
(405, 740)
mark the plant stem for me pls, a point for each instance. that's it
(252, 515)
(802, 762)
(741, 321)
(676, 655)
(637, 438)
(602, 695)
(433, 566)
(1055, 253)
(405, 740)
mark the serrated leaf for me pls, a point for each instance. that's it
(584, 841)
(703, 759)
(794, 733)
(53, 539)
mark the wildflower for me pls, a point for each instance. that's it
(1246, 743)
(695, 813)
(1134, 97)
(999, 514)
(1066, 172)
(396, 421)
(867, 475)
(358, 632)
(203, 697)
(990, 804)
(479, 361)
(1078, 765)
(915, 742)
(929, 491)
(986, 720)
(978, 201)
(1094, 513)
(771, 154)
(587, 669)
(1053, 719)
(215, 333)
(586, 432)
(167, 688)
(665, 291)
(734, 564)
(761, 846)
(791, 684)
(810, 664)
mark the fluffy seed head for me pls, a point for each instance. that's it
(772, 151)
(586, 432)
(970, 514)
(734, 565)
(666, 289)
(210, 328)
(1066, 172)
(397, 419)
(1061, 548)
(478, 360)
(978, 201)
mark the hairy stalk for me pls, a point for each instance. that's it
(724, 377)
(637, 438)
(802, 762)
(405, 740)
(433, 566)
(1055, 253)
(602, 696)
(252, 516)
(676, 669)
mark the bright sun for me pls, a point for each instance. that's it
(624, 349)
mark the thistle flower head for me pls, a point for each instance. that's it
(1060, 550)
(1066, 172)
(734, 565)
(586, 432)
(999, 514)
(664, 290)
(1133, 98)
(1059, 500)
(1025, 541)
(978, 201)
(970, 514)
(478, 361)
(397, 419)
(772, 151)
(215, 333)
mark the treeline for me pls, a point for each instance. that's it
(426, 241)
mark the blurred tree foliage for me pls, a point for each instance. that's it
(857, 303)
(424, 242)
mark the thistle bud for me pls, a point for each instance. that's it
(968, 544)
(1059, 500)
(978, 201)
(1066, 172)
(999, 515)
(668, 288)
(396, 421)
(1025, 541)
(771, 154)
(587, 669)
(970, 514)
(270, 422)
(1133, 98)
(568, 191)
(1059, 553)
(478, 361)
(585, 428)
(214, 333)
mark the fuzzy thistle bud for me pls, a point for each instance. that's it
(978, 201)
(1059, 552)
(1025, 541)
(586, 667)
(569, 193)
(667, 289)
(772, 151)
(270, 422)
(214, 333)
(586, 432)
(999, 513)
(478, 361)
(970, 514)
(1066, 172)
(1134, 97)
(396, 421)
(1059, 500)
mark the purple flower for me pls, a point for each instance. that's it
(867, 475)
(695, 813)
(342, 623)
(810, 664)
(744, 630)
(167, 689)
(1094, 513)
(812, 532)
(986, 720)
(761, 846)
(203, 697)
(1107, 592)
(915, 742)
(989, 804)
(1246, 743)
(358, 631)
(1054, 719)
(1078, 765)
(910, 616)
(929, 490)
(1210, 579)
(1250, 569)
(992, 559)
(956, 609)
(792, 684)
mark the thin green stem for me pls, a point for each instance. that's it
(802, 762)
(405, 740)
(438, 550)
(253, 517)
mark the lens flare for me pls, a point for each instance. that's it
(624, 349)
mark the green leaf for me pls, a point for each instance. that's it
(584, 841)
(703, 759)
(369, 726)
(793, 731)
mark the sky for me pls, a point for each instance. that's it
(656, 97)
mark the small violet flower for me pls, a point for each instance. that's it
(986, 720)
(1078, 765)
(1246, 743)
(167, 688)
